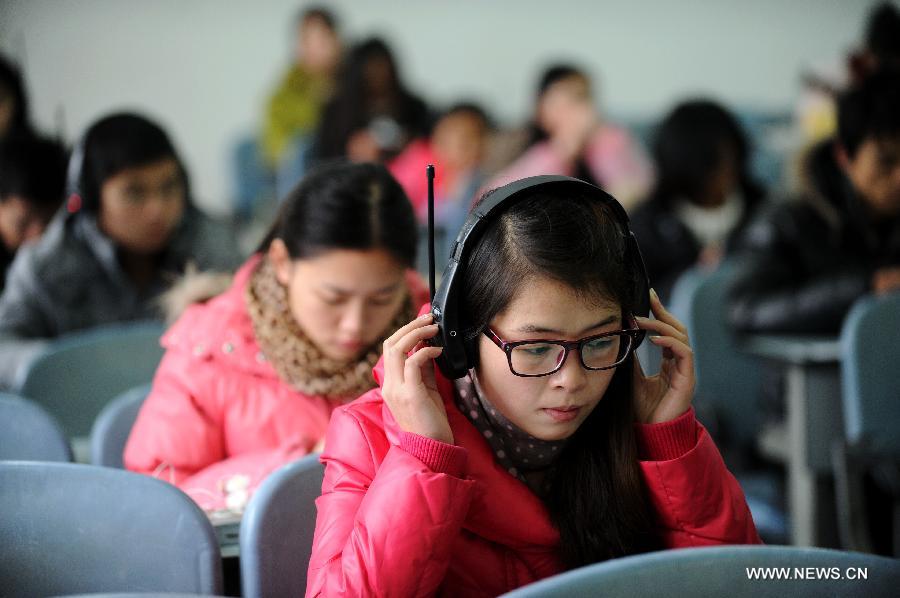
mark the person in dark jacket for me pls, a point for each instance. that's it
(807, 261)
(704, 194)
(128, 228)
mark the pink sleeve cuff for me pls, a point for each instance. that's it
(438, 456)
(667, 440)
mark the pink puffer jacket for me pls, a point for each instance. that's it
(404, 515)
(617, 162)
(218, 409)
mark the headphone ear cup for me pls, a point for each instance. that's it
(470, 345)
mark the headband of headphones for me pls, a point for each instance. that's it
(457, 357)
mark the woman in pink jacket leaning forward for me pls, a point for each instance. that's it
(555, 450)
(250, 378)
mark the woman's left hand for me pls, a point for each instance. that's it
(667, 395)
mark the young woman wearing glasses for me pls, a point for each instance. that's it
(555, 451)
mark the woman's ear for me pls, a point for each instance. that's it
(281, 261)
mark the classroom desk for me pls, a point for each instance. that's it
(227, 525)
(814, 419)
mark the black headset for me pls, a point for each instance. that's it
(458, 355)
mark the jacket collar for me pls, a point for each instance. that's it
(503, 509)
(221, 329)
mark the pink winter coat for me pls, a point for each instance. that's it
(616, 161)
(404, 515)
(218, 409)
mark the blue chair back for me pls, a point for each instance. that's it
(70, 528)
(728, 381)
(80, 373)
(718, 571)
(28, 433)
(277, 530)
(113, 425)
(870, 346)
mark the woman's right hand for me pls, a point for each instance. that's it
(409, 387)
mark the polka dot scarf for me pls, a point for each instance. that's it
(517, 451)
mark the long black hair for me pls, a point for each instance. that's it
(346, 206)
(113, 144)
(34, 169)
(869, 110)
(689, 147)
(350, 109)
(11, 84)
(596, 497)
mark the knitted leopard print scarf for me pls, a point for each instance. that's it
(295, 358)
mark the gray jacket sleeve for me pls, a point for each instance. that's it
(24, 322)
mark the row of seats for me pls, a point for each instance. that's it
(276, 529)
(82, 528)
(34, 434)
(78, 374)
(733, 571)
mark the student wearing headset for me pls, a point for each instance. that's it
(128, 229)
(550, 449)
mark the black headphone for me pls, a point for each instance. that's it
(457, 357)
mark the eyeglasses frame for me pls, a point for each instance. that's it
(508, 346)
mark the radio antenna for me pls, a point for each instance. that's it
(429, 172)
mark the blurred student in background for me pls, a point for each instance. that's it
(250, 378)
(456, 147)
(570, 137)
(704, 194)
(128, 226)
(294, 107)
(372, 115)
(32, 185)
(810, 259)
(816, 110)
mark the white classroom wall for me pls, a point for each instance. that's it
(204, 67)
